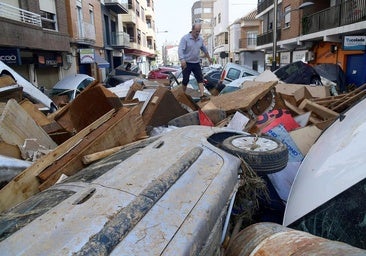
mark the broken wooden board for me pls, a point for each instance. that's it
(6, 80)
(16, 125)
(11, 92)
(124, 127)
(161, 108)
(40, 118)
(88, 106)
(323, 112)
(26, 183)
(10, 150)
(242, 99)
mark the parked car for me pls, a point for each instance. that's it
(31, 92)
(334, 73)
(71, 85)
(135, 202)
(120, 74)
(161, 73)
(236, 84)
(327, 197)
(298, 73)
(211, 78)
(233, 71)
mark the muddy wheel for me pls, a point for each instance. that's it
(263, 154)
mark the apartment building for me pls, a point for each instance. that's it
(202, 12)
(139, 24)
(34, 39)
(321, 31)
(243, 42)
(85, 29)
(115, 40)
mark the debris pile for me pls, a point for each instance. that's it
(100, 120)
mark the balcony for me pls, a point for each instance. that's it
(118, 6)
(247, 43)
(86, 35)
(267, 38)
(120, 40)
(340, 15)
(264, 5)
(10, 12)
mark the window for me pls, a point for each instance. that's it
(80, 19)
(287, 16)
(48, 20)
(91, 14)
(197, 11)
(207, 10)
(137, 9)
(219, 18)
(252, 38)
(48, 14)
(142, 14)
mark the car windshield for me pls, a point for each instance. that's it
(342, 218)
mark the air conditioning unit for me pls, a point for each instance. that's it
(309, 56)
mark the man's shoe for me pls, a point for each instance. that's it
(204, 98)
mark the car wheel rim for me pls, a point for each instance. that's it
(254, 143)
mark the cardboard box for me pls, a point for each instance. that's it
(295, 93)
(305, 137)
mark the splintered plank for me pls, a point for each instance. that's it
(40, 118)
(26, 183)
(242, 99)
(123, 128)
(16, 125)
(318, 109)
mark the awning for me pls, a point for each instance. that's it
(138, 52)
(101, 62)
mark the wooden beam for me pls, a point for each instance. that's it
(124, 127)
(26, 183)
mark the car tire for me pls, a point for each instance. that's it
(316, 80)
(263, 154)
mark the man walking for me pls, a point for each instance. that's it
(189, 56)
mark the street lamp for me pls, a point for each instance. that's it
(275, 6)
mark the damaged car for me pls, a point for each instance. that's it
(164, 195)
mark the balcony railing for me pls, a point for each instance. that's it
(10, 12)
(118, 6)
(264, 5)
(87, 34)
(249, 43)
(120, 39)
(267, 38)
(340, 15)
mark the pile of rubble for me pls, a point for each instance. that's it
(99, 122)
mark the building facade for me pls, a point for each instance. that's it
(34, 39)
(243, 42)
(331, 31)
(139, 24)
(202, 12)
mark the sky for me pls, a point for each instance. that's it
(174, 16)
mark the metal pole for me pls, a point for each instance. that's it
(274, 32)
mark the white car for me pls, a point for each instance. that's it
(31, 92)
(72, 85)
(171, 194)
(327, 197)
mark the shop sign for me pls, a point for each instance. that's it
(86, 56)
(10, 56)
(49, 60)
(299, 56)
(353, 43)
(285, 57)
